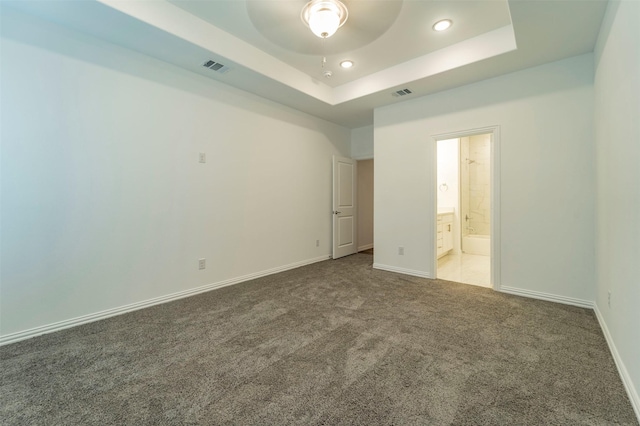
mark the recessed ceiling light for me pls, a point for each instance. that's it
(346, 64)
(442, 25)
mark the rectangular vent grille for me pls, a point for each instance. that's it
(402, 92)
(216, 66)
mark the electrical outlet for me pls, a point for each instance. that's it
(609, 299)
(202, 157)
(401, 251)
(317, 243)
(202, 263)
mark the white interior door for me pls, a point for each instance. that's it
(344, 209)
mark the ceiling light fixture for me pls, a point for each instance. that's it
(324, 17)
(442, 25)
(346, 64)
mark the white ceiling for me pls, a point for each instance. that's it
(270, 51)
(376, 36)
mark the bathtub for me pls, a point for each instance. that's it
(477, 244)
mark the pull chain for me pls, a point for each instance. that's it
(325, 73)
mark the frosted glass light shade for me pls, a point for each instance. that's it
(324, 17)
(324, 23)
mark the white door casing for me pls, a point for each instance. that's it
(495, 280)
(344, 208)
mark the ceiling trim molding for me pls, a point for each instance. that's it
(173, 20)
(485, 46)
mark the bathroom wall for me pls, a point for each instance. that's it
(479, 185)
(448, 183)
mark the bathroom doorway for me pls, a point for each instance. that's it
(465, 200)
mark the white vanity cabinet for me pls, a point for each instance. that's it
(445, 234)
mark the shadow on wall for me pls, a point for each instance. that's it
(494, 91)
(26, 29)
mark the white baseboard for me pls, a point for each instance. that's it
(412, 272)
(547, 296)
(61, 325)
(365, 247)
(622, 369)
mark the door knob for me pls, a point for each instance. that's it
(337, 212)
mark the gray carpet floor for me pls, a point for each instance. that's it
(331, 343)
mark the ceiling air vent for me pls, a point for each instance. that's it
(402, 92)
(216, 66)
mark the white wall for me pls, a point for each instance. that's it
(362, 143)
(617, 125)
(365, 204)
(104, 202)
(545, 116)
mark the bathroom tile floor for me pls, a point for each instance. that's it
(465, 268)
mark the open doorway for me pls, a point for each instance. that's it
(365, 206)
(465, 208)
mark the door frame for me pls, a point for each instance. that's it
(495, 197)
(358, 208)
